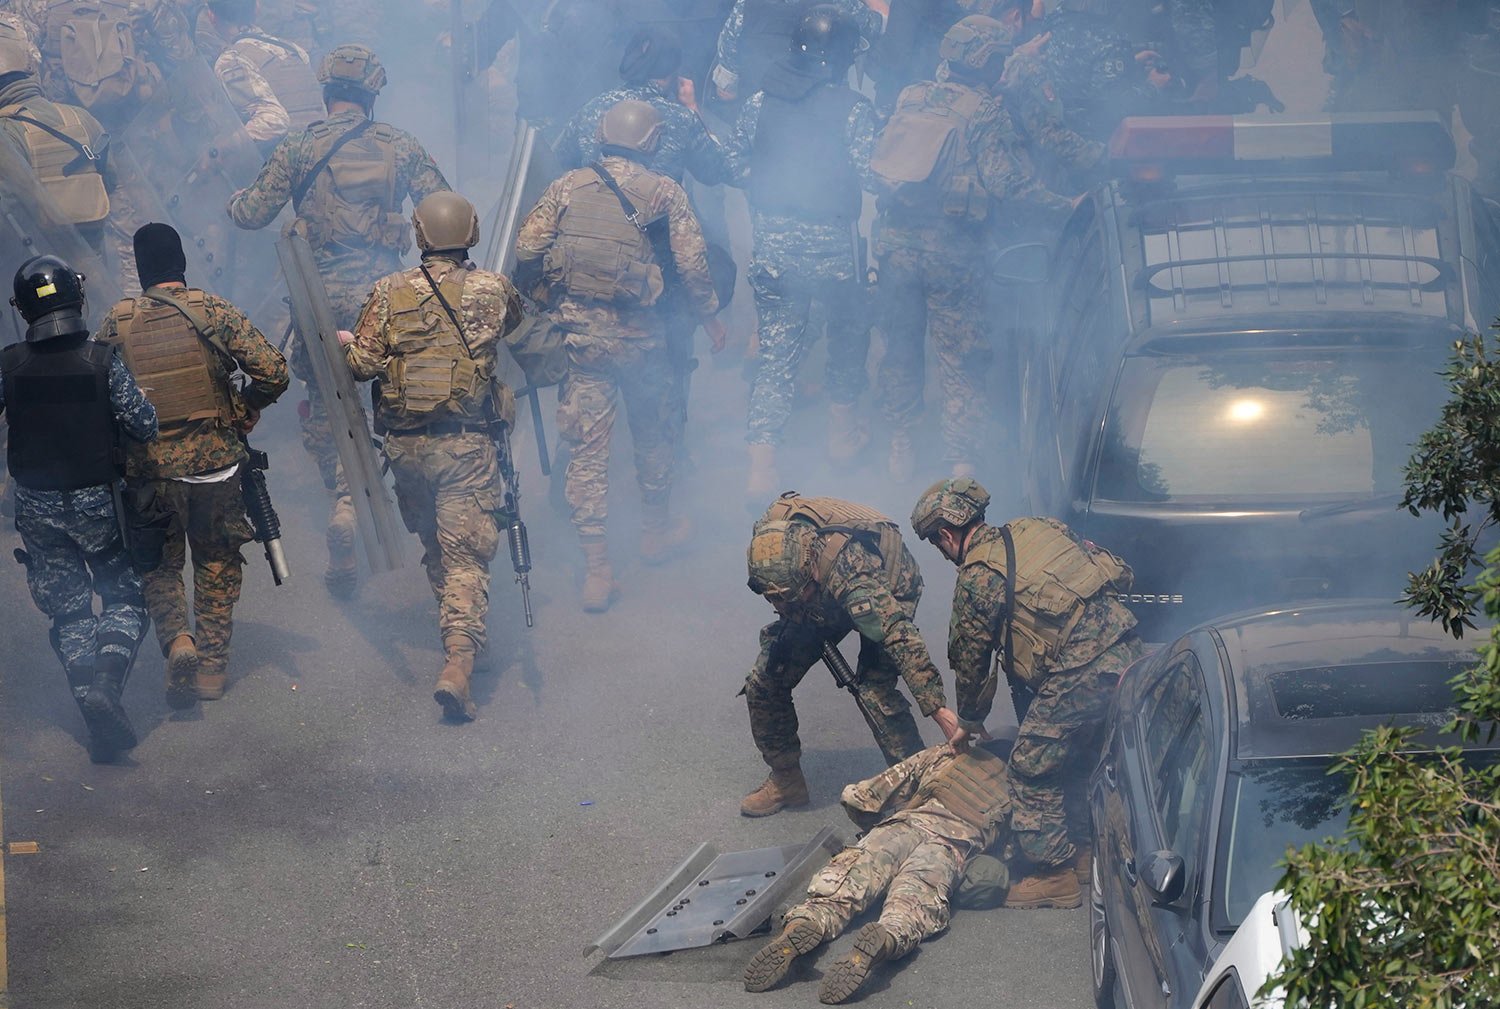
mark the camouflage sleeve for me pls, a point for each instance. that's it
(539, 230)
(689, 251)
(858, 584)
(737, 152)
(870, 800)
(258, 204)
(133, 411)
(420, 174)
(265, 118)
(1004, 168)
(726, 72)
(1041, 114)
(367, 355)
(261, 362)
(978, 602)
(860, 133)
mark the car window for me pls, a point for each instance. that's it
(1179, 755)
(1486, 257)
(1268, 424)
(1228, 994)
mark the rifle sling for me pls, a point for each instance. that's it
(631, 213)
(86, 154)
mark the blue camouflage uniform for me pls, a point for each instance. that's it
(729, 63)
(74, 549)
(1093, 68)
(685, 146)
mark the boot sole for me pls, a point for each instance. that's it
(768, 967)
(108, 723)
(848, 974)
(454, 708)
(181, 693)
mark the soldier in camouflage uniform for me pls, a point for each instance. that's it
(347, 178)
(939, 215)
(756, 34)
(431, 335)
(802, 150)
(270, 81)
(829, 567)
(69, 406)
(923, 820)
(193, 469)
(1063, 642)
(601, 278)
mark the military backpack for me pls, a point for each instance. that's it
(92, 45)
(923, 152)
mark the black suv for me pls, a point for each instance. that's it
(1238, 360)
(1216, 761)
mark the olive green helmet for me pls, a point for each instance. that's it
(353, 66)
(780, 558)
(632, 125)
(949, 504)
(445, 222)
(17, 52)
(974, 41)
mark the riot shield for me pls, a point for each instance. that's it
(32, 225)
(532, 168)
(478, 147)
(312, 315)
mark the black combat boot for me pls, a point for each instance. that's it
(110, 730)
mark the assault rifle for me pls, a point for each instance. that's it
(515, 532)
(846, 678)
(262, 513)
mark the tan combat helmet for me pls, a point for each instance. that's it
(445, 222)
(353, 66)
(631, 125)
(17, 53)
(971, 44)
(780, 558)
(949, 504)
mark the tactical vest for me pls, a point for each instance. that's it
(1054, 578)
(91, 46)
(923, 153)
(353, 201)
(599, 255)
(975, 787)
(837, 522)
(69, 172)
(288, 73)
(62, 424)
(172, 361)
(800, 157)
(430, 375)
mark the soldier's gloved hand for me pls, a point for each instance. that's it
(718, 336)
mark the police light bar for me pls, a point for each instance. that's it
(1408, 143)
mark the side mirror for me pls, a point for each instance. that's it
(1165, 877)
(1026, 263)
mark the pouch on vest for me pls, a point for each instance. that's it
(354, 200)
(539, 346)
(430, 367)
(99, 55)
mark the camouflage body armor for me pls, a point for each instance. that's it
(353, 200)
(288, 73)
(600, 254)
(923, 153)
(171, 359)
(975, 787)
(1055, 577)
(835, 523)
(67, 166)
(431, 376)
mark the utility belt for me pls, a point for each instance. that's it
(443, 427)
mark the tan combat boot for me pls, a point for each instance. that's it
(452, 690)
(764, 483)
(1046, 886)
(777, 792)
(182, 672)
(1083, 865)
(847, 434)
(661, 538)
(848, 973)
(798, 937)
(211, 680)
(901, 464)
(599, 582)
(341, 576)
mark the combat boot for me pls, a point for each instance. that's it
(901, 464)
(766, 969)
(847, 434)
(848, 973)
(777, 792)
(342, 574)
(1046, 886)
(452, 690)
(661, 538)
(182, 672)
(1083, 865)
(764, 483)
(110, 730)
(211, 680)
(599, 582)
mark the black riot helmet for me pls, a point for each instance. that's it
(827, 40)
(49, 296)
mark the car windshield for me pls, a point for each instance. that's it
(1268, 425)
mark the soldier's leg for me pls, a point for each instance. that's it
(782, 305)
(894, 727)
(118, 634)
(645, 385)
(848, 366)
(903, 320)
(586, 410)
(166, 597)
(59, 582)
(416, 499)
(962, 343)
(217, 529)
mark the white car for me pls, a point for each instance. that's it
(1253, 954)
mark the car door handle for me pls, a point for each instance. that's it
(1131, 876)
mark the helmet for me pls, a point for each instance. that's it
(445, 222)
(974, 41)
(17, 51)
(632, 125)
(652, 54)
(780, 557)
(825, 39)
(949, 504)
(353, 66)
(49, 296)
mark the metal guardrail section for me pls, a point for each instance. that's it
(713, 897)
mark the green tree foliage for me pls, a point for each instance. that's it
(1405, 910)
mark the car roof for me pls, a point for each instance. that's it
(1298, 331)
(1310, 679)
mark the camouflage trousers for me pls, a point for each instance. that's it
(602, 370)
(773, 715)
(915, 869)
(208, 519)
(1056, 748)
(74, 550)
(783, 303)
(448, 490)
(940, 294)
